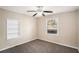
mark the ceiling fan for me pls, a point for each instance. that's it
(40, 10)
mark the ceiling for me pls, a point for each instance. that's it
(24, 9)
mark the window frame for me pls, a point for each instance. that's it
(57, 20)
(18, 33)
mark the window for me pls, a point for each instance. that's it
(12, 28)
(52, 26)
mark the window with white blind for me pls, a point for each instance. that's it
(12, 28)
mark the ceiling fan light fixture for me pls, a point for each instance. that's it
(39, 8)
(40, 11)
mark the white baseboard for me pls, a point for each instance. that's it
(7, 47)
(63, 44)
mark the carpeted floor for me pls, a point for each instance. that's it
(39, 46)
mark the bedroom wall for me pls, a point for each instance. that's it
(1, 41)
(78, 28)
(27, 29)
(67, 29)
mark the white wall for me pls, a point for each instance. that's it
(67, 29)
(27, 28)
(78, 28)
(1, 41)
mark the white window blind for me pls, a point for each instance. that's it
(12, 28)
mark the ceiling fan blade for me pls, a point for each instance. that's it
(43, 14)
(35, 14)
(31, 11)
(48, 11)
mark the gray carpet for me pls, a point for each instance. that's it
(40, 46)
